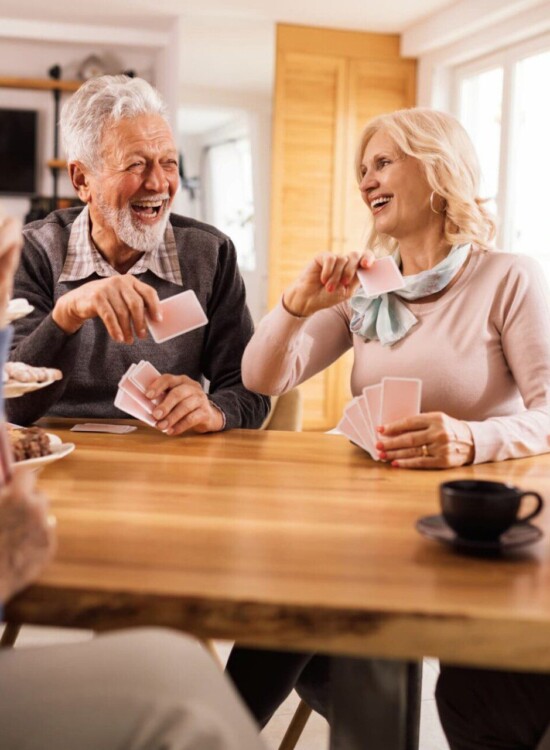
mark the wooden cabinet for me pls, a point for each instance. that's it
(328, 84)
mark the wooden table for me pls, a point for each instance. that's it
(282, 539)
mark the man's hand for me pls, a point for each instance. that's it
(11, 241)
(428, 441)
(120, 301)
(184, 406)
(27, 535)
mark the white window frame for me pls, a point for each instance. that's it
(507, 59)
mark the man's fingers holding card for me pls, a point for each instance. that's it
(184, 396)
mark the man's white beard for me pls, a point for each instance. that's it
(144, 239)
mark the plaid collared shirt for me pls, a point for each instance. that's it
(83, 258)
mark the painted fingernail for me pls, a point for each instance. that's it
(330, 288)
(380, 429)
(379, 446)
(395, 463)
(382, 455)
(163, 425)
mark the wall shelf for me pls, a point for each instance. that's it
(39, 84)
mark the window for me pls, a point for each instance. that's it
(230, 197)
(503, 103)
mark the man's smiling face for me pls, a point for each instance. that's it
(135, 184)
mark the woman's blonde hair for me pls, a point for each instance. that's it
(451, 166)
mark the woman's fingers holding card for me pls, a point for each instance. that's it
(430, 440)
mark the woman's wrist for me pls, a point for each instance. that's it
(288, 306)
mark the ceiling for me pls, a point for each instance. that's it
(228, 46)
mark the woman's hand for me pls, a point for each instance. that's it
(11, 241)
(427, 441)
(27, 533)
(326, 281)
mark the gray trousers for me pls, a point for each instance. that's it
(144, 689)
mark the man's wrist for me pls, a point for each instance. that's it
(64, 320)
(220, 413)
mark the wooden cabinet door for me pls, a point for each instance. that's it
(308, 163)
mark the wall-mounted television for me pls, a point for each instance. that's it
(18, 133)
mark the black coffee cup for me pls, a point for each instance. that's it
(482, 511)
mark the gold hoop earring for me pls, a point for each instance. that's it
(444, 207)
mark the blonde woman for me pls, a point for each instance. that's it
(471, 323)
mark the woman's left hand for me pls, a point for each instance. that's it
(426, 441)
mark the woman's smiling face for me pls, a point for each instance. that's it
(395, 188)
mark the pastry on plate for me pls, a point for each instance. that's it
(28, 442)
(20, 372)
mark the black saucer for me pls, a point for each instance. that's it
(435, 527)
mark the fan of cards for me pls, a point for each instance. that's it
(180, 314)
(388, 401)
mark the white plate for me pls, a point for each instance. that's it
(17, 308)
(59, 450)
(13, 388)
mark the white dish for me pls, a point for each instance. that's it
(59, 450)
(17, 308)
(13, 388)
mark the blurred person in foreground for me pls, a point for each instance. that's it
(145, 689)
(472, 324)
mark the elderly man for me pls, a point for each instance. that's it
(139, 690)
(93, 275)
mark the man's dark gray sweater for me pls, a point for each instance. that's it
(92, 363)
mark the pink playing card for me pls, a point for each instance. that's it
(383, 276)
(136, 393)
(400, 399)
(353, 412)
(180, 314)
(346, 428)
(126, 403)
(373, 401)
(143, 375)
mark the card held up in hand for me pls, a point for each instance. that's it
(180, 314)
(383, 276)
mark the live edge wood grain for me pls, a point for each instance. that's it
(295, 540)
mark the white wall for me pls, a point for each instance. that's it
(29, 49)
(252, 115)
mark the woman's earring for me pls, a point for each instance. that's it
(443, 208)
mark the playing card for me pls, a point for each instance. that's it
(180, 314)
(143, 375)
(383, 276)
(373, 400)
(125, 402)
(400, 399)
(136, 393)
(354, 413)
(346, 428)
(114, 429)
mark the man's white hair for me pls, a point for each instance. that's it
(101, 101)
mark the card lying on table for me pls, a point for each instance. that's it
(180, 314)
(113, 429)
(383, 276)
(391, 400)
